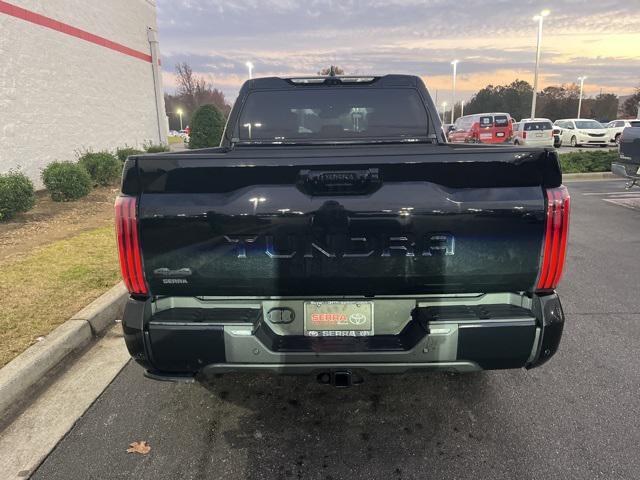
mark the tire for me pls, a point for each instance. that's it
(516, 142)
(574, 142)
(616, 140)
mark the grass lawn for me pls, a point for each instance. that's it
(174, 139)
(587, 161)
(44, 288)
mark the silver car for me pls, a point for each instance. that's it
(533, 132)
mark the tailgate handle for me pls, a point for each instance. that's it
(345, 182)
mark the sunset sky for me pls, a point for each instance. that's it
(493, 39)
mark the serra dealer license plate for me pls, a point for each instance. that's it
(338, 319)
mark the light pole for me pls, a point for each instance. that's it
(538, 18)
(179, 112)
(582, 79)
(462, 108)
(250, 67)
(453, 88)
(444, 110)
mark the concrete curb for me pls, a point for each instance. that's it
(588, 176)
(23, 372)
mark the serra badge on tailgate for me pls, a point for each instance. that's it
(338, 319)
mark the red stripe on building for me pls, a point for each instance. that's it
(48, 22)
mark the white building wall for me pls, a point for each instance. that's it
(60, 95)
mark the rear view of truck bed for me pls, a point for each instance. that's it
(325, 258)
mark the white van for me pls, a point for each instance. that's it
(582, 131)
(533, 132)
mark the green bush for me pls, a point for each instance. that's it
(124, 152)
(151, 148)
(16, 194)
(103, 167)
(207, 126)
(591, 161)
(66, 181)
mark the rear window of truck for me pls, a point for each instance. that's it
(313, 114)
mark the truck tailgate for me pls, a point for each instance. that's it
(293, 222)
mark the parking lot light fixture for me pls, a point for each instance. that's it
(581, 80)
(250, 67)
(179, 112)
(538, 18)
(453, 89)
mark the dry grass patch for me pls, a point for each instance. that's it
(43, 289)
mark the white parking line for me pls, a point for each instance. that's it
(625, 192)
(628, 202)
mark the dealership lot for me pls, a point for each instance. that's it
(576, 417)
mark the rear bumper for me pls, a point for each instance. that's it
(526, 338)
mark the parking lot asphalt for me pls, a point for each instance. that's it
(577, 417)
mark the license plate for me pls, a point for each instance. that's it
(500, 134)
(539, 135)
(338, 319)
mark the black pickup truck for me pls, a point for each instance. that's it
(335, 232)
(628, 164)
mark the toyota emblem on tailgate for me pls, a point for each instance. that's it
(357, 318)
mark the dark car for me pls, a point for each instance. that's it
(628, 164)
(335, 232)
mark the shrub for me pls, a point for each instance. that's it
(124, 152)
(151, 148)
(16, 194)
(66, 181)
(207, 126)
(103, 167)
(592, 161)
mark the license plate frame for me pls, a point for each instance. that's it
(338, 318)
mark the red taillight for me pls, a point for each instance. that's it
(524, 134)
(555, 238)
(129, 245)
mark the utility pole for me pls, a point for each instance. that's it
(582, 79)
(538, 18)
(453, 89)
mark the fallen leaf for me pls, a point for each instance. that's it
(141, 447)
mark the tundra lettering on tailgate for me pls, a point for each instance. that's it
(343, 246)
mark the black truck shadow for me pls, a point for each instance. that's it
(389, 427)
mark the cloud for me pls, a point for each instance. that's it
(495, 41)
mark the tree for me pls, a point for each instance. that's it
(558, 102)
(630, 105)
(192, 92)
(326, 71)
(603, 107)
(514, 99)
(206, 128)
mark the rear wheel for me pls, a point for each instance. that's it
(574, 142)
(516, 142)
(617, 139)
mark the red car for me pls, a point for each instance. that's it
(482, 128)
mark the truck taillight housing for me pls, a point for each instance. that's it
(129, 245)
(555, 238)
